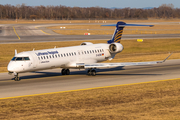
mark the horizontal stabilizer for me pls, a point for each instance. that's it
(119, 31)
(128, 25)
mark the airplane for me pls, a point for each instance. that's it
(85, 56)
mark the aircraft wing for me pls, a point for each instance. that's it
(107, 65)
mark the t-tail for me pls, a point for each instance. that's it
(116, 38)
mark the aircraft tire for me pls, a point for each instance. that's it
(16, 79)
(63, 72)
(93, 73)
(89, 73)
(67, 71)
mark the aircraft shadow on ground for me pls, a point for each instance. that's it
(81, 72)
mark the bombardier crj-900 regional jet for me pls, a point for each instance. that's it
(85, 56)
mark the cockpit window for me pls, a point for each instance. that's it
(26, 58)
(20, 58)
(13, 58)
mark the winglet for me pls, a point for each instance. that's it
(15, 52)
(165, 59)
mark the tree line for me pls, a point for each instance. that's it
(69, 13)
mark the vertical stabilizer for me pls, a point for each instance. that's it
(116, 38)
(117, 33)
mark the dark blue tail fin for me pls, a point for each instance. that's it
(119, 30)
(117, 33)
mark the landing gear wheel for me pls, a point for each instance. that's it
(91, 72)
(65, 71)
(16, 78)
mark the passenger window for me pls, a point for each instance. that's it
(49, 56)
(53, 56)
(102, 50)
(44, 57)
(92, 51)
(74, 53)
(41, 57)
(95, 51)
(61, 55)
(69, 54)
(58, 55)
(64, 55)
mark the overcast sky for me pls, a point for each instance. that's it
(94, 3)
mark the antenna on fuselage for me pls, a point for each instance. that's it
(33, 49)
(54, 47)
(15, 52)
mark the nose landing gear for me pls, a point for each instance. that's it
(91, 72)
(65, 71)
(16, 78)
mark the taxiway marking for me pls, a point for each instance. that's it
(16, 33)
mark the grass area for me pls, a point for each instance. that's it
(148, 50)
(81, 32)
(82, 21)
(110, 32)
(101, 30)
(162, 28)
(158, 100)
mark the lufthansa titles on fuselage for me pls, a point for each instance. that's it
(47, 53)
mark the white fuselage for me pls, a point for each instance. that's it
(66, 57)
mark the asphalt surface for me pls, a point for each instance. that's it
(18, 33)
(52, 81)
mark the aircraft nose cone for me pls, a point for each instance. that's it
(10, 68)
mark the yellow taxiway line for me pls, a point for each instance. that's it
(16, 33)
(89, 89)
(45, 32)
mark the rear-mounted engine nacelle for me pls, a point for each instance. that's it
(86, 43)
(115, 48)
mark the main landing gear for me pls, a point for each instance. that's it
(16, 78)
(91, 72)
(65, 71)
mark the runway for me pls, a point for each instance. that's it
(39, 33)
(52, 81)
